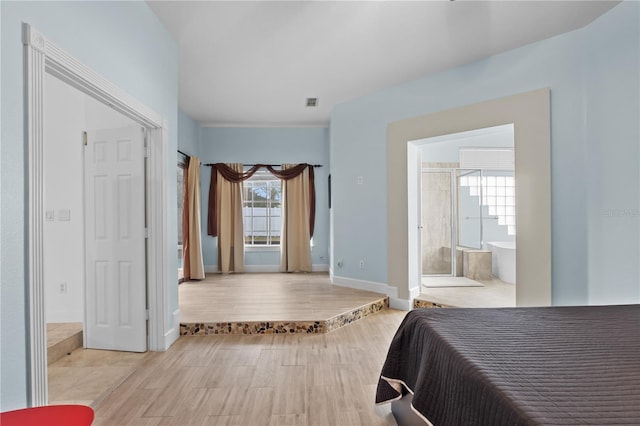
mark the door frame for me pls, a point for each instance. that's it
(42, 56)
(530, 113)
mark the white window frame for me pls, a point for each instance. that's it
(262, 247)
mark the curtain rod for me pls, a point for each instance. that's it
(184, 153)
(271, 165)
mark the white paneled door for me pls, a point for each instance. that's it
(115, 240)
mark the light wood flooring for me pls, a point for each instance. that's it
(267, 297)
(300, 379)
(277, 379)
(62, 339)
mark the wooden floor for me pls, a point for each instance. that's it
(267, 297)
(273, 379)
(298, 379)
(276, 379)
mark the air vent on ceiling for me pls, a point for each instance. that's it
(312, 102)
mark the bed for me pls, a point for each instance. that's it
(515, 366)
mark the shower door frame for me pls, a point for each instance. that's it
(454, 214)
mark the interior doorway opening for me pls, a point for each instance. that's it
(69, 115)
(43, 57)
(461, 210)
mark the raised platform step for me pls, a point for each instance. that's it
(419, 303)
(320, 325)
(62, 339)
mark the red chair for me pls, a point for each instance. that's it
(50, 415)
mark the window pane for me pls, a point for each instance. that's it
(262, 209)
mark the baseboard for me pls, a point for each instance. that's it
(174, 333)
(264, 269)
(320, 267)
(400, 304)
(376, 287)
(391, 292)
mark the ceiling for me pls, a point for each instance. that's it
(254, 63)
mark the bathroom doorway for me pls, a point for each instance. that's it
(466, 200)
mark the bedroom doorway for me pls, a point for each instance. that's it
(94, 203)
(43, 57)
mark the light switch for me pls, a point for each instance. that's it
(49, 215)
(360, 180)
(64, 215)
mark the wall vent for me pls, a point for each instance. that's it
(312, 102)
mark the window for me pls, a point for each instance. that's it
(498, 194)
(262, 200)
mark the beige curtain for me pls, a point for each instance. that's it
(295, 247)
(194, 252)
(229, 222)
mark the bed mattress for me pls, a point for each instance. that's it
(518, 366)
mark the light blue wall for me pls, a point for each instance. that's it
(127, 44)
(612, 156)
(188, 134)
(271, 146)
(593, 75)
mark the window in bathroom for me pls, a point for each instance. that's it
(498, 195)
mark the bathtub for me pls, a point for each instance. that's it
(503, 260)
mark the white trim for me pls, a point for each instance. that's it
(157, 283)
(41, 56)
(256, 248)
(252, 269)
(320, 267)
(376, 287)
(390, 292)
(400, 304)
(322, 125)
(174, 333)
(414, 292)
(265, 269)
(35, 58)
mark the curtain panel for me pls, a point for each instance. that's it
(228, 218)
(232, 175)
(186, 270)
(295, 250)
(193, 263)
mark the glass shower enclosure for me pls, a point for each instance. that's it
(448, 221)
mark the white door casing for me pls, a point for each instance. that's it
(42, 56)
(115, 278)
